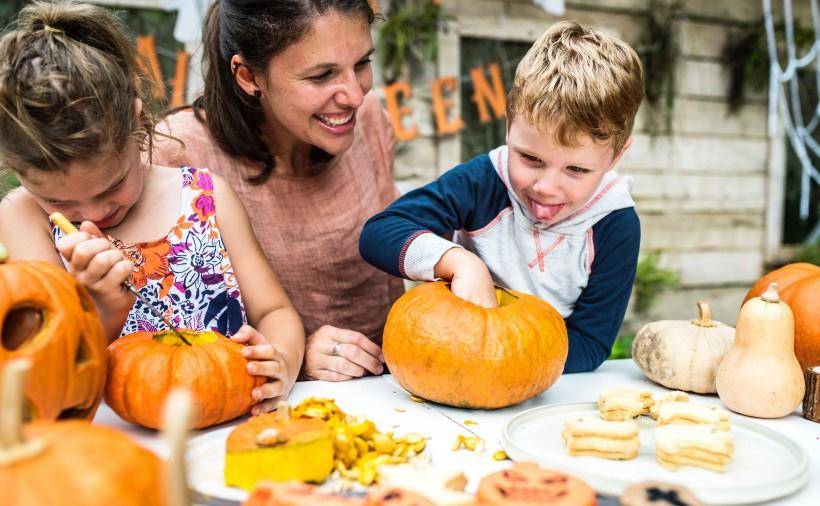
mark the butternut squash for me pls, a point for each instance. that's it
(760, 375)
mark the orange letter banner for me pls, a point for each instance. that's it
(147, 59)
(397, 112)
(180, 80)
(483, 93)
(442, 106)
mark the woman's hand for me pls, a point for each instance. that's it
(265, 360)
(334, 354)
(468, 276)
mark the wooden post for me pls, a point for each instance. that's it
(811, 402)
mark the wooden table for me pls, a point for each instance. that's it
(383, 401)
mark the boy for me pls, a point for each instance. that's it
(544, 214)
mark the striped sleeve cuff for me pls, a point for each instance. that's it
(421, 254)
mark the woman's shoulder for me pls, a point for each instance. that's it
(184, 140)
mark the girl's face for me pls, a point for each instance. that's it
(101, 190)
(311, 90)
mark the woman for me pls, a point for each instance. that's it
(288, 118)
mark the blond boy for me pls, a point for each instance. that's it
(545, 213)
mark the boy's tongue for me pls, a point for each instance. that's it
(545, 212)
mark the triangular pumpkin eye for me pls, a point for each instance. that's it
(83, 354)
(21, 325)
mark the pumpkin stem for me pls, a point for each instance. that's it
(704, 316)
(283, 412)
(12, 445)
(177, 418)
(771, 295)
(4, 253)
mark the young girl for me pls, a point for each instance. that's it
(73, 129)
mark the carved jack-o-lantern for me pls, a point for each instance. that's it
(50, 319)
(527, 484)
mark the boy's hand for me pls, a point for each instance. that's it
(96, 263)
(265, 360)
(469, 277)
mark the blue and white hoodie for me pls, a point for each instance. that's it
(583, 265)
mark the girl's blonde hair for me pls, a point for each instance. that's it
(578, 80)
(69, 82)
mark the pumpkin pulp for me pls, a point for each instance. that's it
(189, 337)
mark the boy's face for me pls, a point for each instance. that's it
(553, 180)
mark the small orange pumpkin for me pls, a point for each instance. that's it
(798, 286)
(48, 318)
(144, 367)
(70, 462)
(445, 349)
(527, 484)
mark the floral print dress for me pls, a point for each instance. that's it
(187, 274)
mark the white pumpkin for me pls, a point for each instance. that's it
(682, 354)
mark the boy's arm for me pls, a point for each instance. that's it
(406, 239)
(599, 311)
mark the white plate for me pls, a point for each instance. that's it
(766, 465)
(206, 469)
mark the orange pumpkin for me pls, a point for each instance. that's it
(445, 349)
(798, 286)
(527, 484)
(71, 462)
(48, 318)
(144, 367)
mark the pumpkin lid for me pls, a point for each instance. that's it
(269, 430)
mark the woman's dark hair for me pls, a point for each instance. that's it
(256, 30)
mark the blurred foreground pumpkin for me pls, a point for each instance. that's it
(144, 367)
(798, 286)
(48, 318)
(70, 462)
(445, 349)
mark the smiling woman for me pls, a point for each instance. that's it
(289, 119)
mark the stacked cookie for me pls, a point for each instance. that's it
(693, 434)
(602, 438)
(686, 433)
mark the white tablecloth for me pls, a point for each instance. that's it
(379, 397)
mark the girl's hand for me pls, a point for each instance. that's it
(97, 264)
(334, 354)
(265, 360)
(469, 277)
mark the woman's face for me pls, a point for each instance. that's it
(311, 90)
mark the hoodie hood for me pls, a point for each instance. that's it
(613, 193)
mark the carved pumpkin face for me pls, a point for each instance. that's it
(527, 484)
(395, 497)
(296, 494)
(50, 319)
(454, 352)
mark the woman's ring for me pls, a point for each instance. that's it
(335, 350)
